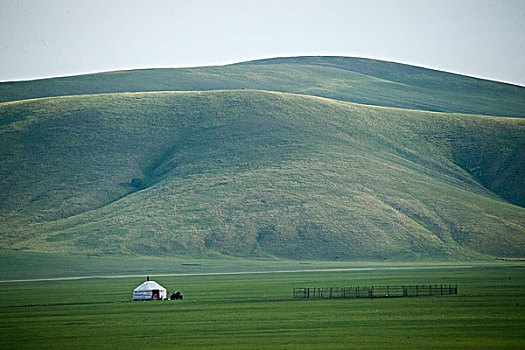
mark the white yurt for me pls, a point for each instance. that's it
(149, 290)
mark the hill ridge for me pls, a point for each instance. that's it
(350, 79)
(328, 99)
(409, 65)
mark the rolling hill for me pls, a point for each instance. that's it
(263, 173)
(349, 79)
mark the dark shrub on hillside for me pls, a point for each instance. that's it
(137, 183)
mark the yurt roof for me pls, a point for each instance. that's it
(149, 285)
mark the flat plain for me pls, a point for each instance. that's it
(257, 310)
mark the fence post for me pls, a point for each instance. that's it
(417, 291)
(430, 286)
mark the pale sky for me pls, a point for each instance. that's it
(44, 38)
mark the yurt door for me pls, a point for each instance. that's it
(155, 294)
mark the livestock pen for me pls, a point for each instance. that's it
(375, 291)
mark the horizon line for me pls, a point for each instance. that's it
(223, 64)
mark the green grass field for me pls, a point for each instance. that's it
(255, 311)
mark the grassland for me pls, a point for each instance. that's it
(21, 265)
(253, 173)
(256, 311)
(350, 79)
(235, 196)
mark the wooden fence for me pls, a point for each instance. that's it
(375, 291)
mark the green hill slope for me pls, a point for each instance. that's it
(253, 173)
(343, 78)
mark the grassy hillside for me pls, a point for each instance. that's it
(258, 174)
(344, 78)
